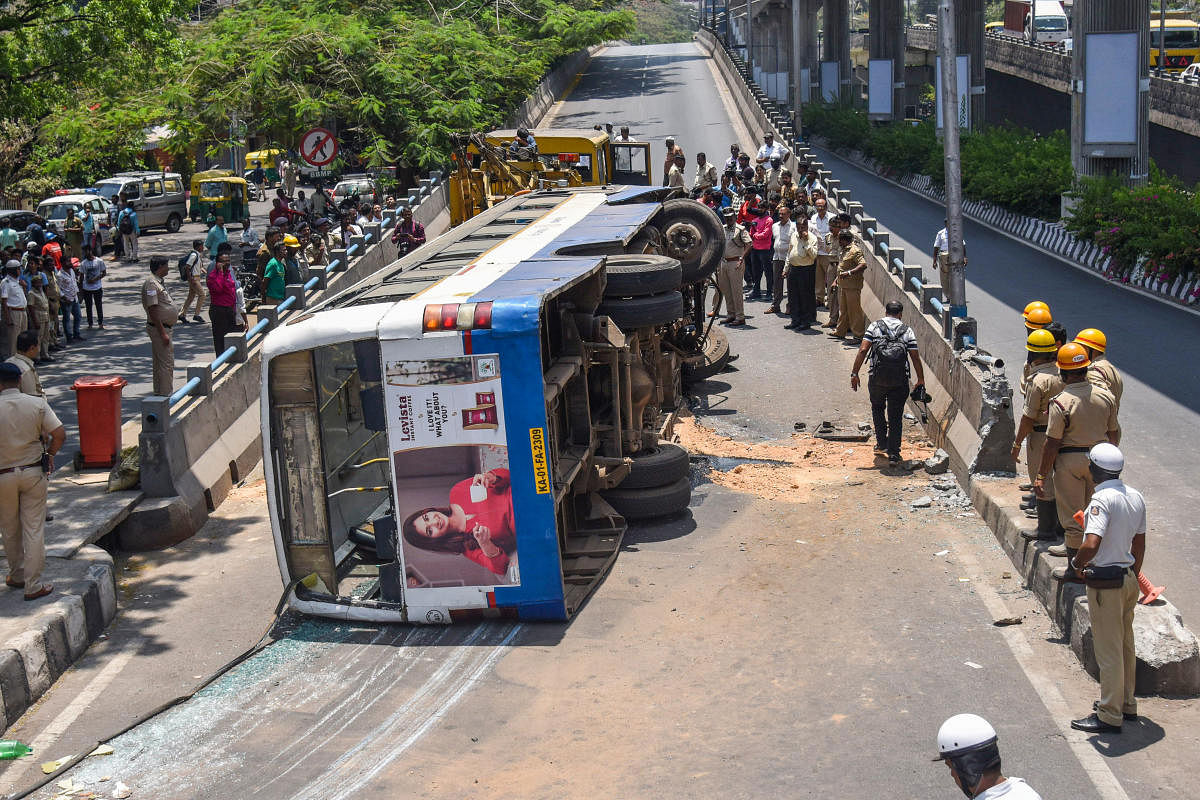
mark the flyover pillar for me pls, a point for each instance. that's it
(836, 42)
(1110, 89)
(968, 33)
(885, 24)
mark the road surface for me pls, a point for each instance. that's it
(801, 632)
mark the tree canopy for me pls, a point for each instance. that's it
(398, 78)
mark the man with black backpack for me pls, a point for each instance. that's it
(891, 345)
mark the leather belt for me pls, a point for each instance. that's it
(1074, 449)
(734, 258)
(1040, 428)
(7, 470)
(165, 325)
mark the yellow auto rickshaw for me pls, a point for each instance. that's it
(194, 210)
(225, 197)
(270, 164)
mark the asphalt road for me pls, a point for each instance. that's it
(801, 632)
(1156, 347)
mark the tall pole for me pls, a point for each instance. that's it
(749, 40)
(1162, 38)
(957, 290)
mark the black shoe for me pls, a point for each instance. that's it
(1039, 536)
(79, 338)
(1125, 714)
(1093, 724)
(1025, 487)
(1028, 498)
(793, 327)
(893, 460)
(198, 318)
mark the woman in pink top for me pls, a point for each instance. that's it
(759, 256)
(222, 298)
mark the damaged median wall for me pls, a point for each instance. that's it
(972, 416)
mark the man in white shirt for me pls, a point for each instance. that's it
(801, 277)
(941, 255)
(731, 163)
(818, 223)
(675, 175)
(771, 149)
(706, 173)
(1114, 546)
(624, 135)
(782, 233)
(13, 308)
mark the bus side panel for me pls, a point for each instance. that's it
(515, 335)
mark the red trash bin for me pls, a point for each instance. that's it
(98, 400)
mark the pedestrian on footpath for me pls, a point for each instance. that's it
(68, 289)
(39, 317)
(891, 345)
(127, 225)
(1080, 417)
(1102, 372)
(1043, 385)
(25, 359)
(1114, 547)
(30, 436)
(161, 313)
(850, 282)
(93, 271)
(194, 272)
(783, 233)
(222, 291)
(801, 272)
(729, 274)
(968, 746)
(818, 223)
(114, 213)
(13, 305)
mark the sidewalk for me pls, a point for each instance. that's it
(39, 640)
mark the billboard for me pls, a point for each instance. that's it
(1110, 85)
(453, 494)
(879, 87)
(964, 78)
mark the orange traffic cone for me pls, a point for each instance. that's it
(1150, 592)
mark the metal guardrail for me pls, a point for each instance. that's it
(201, 377)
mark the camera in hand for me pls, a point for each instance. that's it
(919, 395)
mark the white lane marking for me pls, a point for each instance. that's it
(459, 671)
(1097, 769)
(59, 725)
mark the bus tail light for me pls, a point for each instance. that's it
(457, 316)
(571, 158)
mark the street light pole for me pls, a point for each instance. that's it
(957, 290)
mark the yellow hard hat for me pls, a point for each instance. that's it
(1032, 305)
(1037, 318)
(291, 241)
(1072, 356)
(1095, 339)
(1041, 341)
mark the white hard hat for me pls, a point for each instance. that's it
(963, 733)
(1107, 457)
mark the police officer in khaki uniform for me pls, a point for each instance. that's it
(1034, 320)
(27, 352)
(161, 314)
(731, 271)
(1109, 561)
(1042, 385)
(850, 285)
(1080, 417)
(27, 424)
(1102, 372)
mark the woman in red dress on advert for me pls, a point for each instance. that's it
(478, 523)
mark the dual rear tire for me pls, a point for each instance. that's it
(657, 484)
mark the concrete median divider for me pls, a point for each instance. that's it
(971, 416)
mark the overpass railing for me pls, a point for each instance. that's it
(928, 295)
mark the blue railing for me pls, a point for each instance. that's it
(223, 359)
(937, 305)
(184, 391)
(916, 282)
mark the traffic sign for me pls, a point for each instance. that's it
(318, 147)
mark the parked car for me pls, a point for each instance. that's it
(358, 185)
(54, 209)
(157, 197)
(19, 221)
(1191, 73)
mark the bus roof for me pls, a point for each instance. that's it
(519, 252)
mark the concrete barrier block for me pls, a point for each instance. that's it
(882, 241)
(14, 688)
(159, 522)
(203, 371)
(929, 293)
(911, 271)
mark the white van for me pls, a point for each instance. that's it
(1052, 27)
(157, 197)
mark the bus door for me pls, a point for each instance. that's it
(631, 163)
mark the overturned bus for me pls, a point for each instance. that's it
(467, 431)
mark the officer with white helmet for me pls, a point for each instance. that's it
(1108, 561)
(967, 743)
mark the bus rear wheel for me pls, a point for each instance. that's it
(663, 463)
(641, 275)
(643, 312)
(650, 502)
